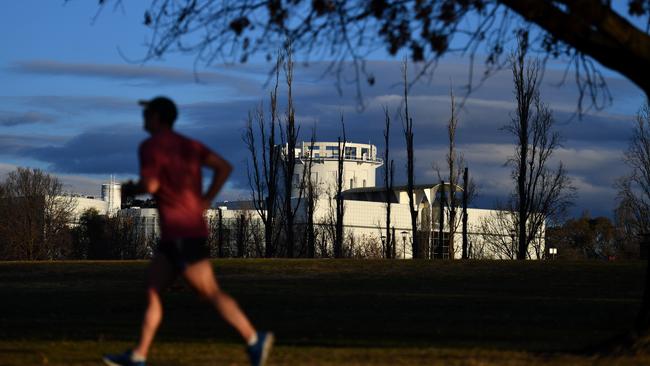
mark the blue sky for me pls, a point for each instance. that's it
(68, 105)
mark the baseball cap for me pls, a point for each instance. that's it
(163, 105)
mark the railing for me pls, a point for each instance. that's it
(336, 156)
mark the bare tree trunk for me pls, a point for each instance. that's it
(291, 135)
(525, 79)
(312, 199)
(441, 222)
(220, 233)
(453, 174)
(388, 183)
(340, 204)
(465, 254)
(242, 227)
(394, 243)
(408, 135)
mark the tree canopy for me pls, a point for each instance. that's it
(615, 34)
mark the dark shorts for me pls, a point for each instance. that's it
(183, 252)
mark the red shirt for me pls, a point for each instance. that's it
(175, 161)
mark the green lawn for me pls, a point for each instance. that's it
(329, 312)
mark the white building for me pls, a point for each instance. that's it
(364, 202)
(365, 207)
(110, 202)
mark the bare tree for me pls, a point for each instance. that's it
(542, 193)
(340, 203)
(455, 166)
(312, 195)
(499, 236)
(634, 194)
(407, 124)
(389, 173)
(36, 216)
(290, 137)
(264, 168)
(634, 188)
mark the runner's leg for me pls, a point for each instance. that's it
(201, 277)
(161, 274)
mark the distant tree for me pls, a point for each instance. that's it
(241, 231)
(583, 238)
(542, 193)
(312, 193)
(290, 138)
(35, 216)
(264, 167)
(407, 124)
(634, 188)
(455, 166)
(627, 235)
(90, 237)
(634, 197)
(389, 173)
(498, 235)
(340, 202)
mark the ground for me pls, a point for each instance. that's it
(330, 312)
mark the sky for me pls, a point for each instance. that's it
(71, 82)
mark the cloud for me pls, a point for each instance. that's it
(30, 117)
(17, 144)
(99, 152)
(157, 74)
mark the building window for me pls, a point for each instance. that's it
(364, 153)
(350, 152)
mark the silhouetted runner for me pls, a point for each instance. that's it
(170, 170)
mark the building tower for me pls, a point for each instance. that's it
(112, 195)
(359, 165)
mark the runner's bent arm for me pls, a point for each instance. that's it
(221, 171)
(144, 185)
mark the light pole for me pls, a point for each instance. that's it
(404, 244)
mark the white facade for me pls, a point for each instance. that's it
(359, 165)
(84, 203)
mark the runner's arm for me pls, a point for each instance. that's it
(221, 171)
(144, 185)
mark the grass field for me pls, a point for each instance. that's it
(327, 312)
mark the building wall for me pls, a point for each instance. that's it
(82, 204)
(359, 167)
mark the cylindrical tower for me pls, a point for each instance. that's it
(360, 163)
(112, 195)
